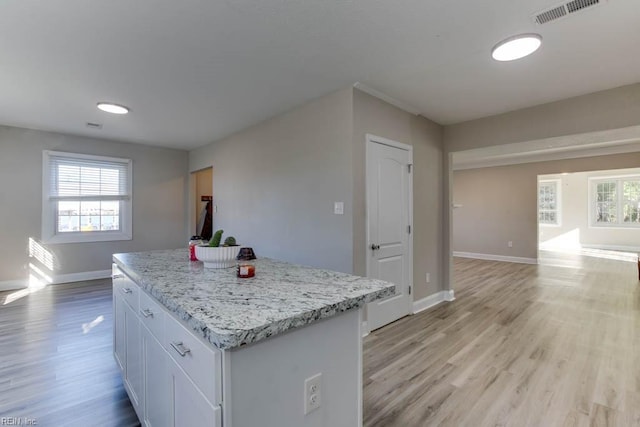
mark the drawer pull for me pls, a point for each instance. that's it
(127, 290)
(146, 312)
(118, 276)
(180, 348)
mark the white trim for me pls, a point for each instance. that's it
(365, 328)
(491, 257)
(591, 193)
(391, 100)
(613, 247)
(432, 300)
(82, 276)
(373, 139)
(558, 210)
(589, 144)
(11, 285)
(8, 285)
(391, 143)
(48, 226)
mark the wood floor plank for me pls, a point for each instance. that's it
(522, 345)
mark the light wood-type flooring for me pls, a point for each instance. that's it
(56, 363)
(550, 345)
(556, 344)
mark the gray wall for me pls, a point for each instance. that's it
(500, 203)
(605, 110)
(275, 184)
(374, 116)
(610, 109)
(159, 205)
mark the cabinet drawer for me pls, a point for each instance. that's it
(126, 288)
(201, 362)
(151, 315)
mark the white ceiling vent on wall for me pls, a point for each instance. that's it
(563, 10)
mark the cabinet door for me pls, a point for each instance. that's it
(189, 407)
(156, 382)
(119, 332)
(133, 358)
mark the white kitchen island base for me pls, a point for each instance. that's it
(182, 365)
(266, 380)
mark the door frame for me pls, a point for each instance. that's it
(373, 139)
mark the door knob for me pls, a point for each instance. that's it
(375, 247)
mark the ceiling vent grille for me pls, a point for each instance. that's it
(577, 5)
(550, 15)
(564, 10)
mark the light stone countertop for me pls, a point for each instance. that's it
(230, 312)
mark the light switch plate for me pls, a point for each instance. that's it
(338, 208)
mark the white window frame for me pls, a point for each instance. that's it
(49, 205)
(558, 209)
(619, 179)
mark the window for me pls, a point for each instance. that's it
(85, 198)
(615, 202)
(549, 202)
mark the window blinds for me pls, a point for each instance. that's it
(79, 177)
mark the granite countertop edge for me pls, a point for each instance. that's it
(232, 338)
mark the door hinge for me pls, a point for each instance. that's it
(408, 229)
(409, 167)
(409, 289)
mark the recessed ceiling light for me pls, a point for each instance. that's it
(110, 107)
(516, 47)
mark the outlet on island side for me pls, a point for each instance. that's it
(312, 393)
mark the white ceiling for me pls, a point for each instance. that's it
(194, 71)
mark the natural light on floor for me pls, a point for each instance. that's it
(39, 275)
(569, 243)
(87, 327)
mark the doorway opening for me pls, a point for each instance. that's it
(202, 206)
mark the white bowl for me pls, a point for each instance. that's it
(220, 257)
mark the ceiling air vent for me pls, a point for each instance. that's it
(563, 10)
(576, 5)
(550, 15)
(94, 125)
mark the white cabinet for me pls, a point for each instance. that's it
(172, 378)
(155, 382)
(133, 357)
(189, 407)
(118, 332)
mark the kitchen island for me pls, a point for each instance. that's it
(200, 346)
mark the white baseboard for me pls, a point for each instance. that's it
(8, 285)
(491, 257)
(79, 277)
(432, 300)
(622, 248)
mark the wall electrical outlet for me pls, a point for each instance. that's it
(510, 243)
(428, 277)
(312, 393)
(338, 208)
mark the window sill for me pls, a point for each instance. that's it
(88, 237)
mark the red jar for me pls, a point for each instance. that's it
(193, 242)
(246, 270)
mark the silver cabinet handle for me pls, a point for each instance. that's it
(180, 348)
(127, 290)
(146, 312)
(118, 276)
(375, 247)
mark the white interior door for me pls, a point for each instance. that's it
(389, 218)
